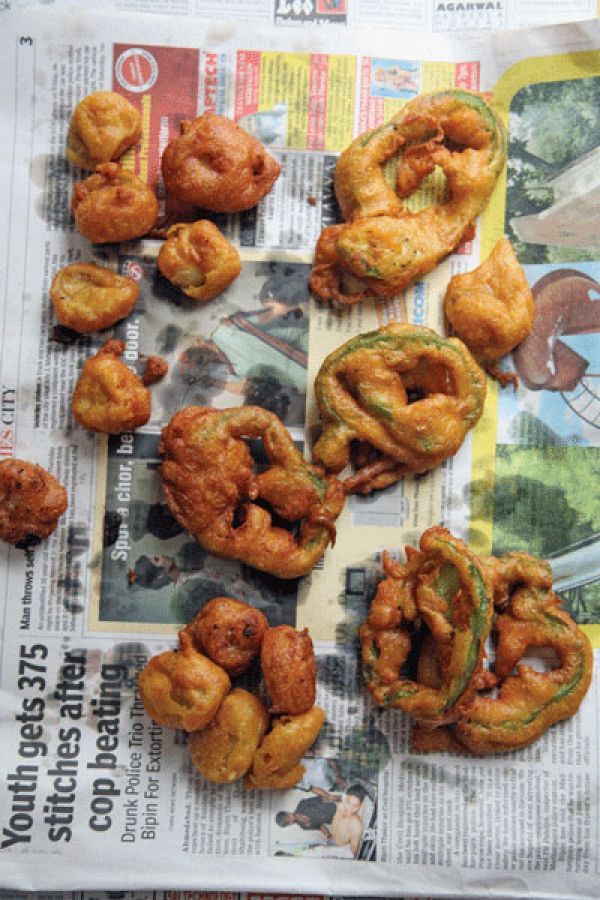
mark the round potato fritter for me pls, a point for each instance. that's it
(31, 502)
(108, 396)
(217, 165)
(87, 297)
(224, 751)
(198, 259)
(182, 688)
(104, 125)
(113, 205)
(230, 632)
(289, 668)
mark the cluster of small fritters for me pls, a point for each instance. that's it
(232, 732)
(393, 402)
(442, 605)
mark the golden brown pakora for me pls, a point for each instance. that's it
(108, 396)
(31, 502)
(103, 126)
(87, 297)
(406, 394)
(113, 205)
(491, 308)
(199, 260)
(182, 688)
(156, 369)
(289, 667)
(224, 750)
(276, 763)
(230, 632)
(209, 481)
(217, 165)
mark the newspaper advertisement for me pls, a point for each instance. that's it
(94, 796)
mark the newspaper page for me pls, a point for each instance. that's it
(93, 795)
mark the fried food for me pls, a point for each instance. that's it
(182, 688)
(156, 369)
(88, 298)
(113, 205)
(108, 396)
(209, 480)
(103, 126)
(289, 668)
(364, 389)
(224, 750)
(276, 763)
(230, 632)
(199, 260)
(31, 502)
(217, 165)
(491, 308)
(384, 245)
(450, 588)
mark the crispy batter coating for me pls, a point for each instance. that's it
(276, 763)
(108, 396)
(289, 667)
(363, 391)
(31, 502)
(230, 632)
(181, 688)
(217, 165)
(103, 126)
(491, 308)
(447, 584)
(208, 479)
(224, 751)
(385, 245)
(156, 369)
(198, 259)
(87, 297)
(113, 205)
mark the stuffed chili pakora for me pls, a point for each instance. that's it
(217, 165)
(197, 259)
(397, 401)
(87, 297)
(384, 245)
(113, 205)
(31, 502)
(210, 483)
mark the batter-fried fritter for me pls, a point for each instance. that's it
(491, 308)
(113, 205)
(230, 632)
(289, 668)
(88, 298)
(224, 750)
(217, 165)
(108, 396)
(364, 389)
(103, 126)
(198, 259)
(31, 502)
(181, 688)
(276, 763)
(156, 369)
(209, 482)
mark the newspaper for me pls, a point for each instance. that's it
(95, 797)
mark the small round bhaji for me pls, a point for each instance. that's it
(31, 502)
(276, 763)
(217, 165)
(198, 259)
(224, 751)
(289, 668)
(182, 688)
(104, 125)
(230, 632)
(108, 396)
(88, 298)
(113, 205)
